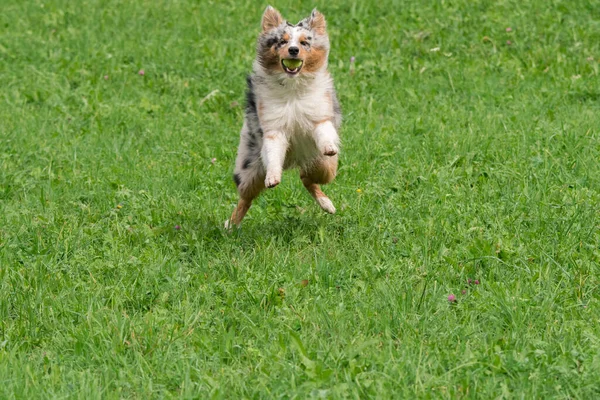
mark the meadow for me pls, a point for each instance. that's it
(470, 168)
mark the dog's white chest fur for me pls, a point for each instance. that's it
(295, 107)
(293, 115)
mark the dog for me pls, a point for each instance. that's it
(292, 112)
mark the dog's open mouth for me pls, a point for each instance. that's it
(291, 65)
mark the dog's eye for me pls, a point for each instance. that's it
(304, 43)
(282, 42)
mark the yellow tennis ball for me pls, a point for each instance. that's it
(292, 64)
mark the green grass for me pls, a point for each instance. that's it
(464, 157)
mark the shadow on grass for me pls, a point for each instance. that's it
(309, 228)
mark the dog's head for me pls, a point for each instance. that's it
(292, 50)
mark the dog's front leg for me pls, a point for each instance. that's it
(327, 138)
(273, 151)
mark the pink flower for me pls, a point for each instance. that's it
(476, 281)
(177, 227)
(352, 59)
(141, 72)
(213, 160)
(508, 42)
(509, 29)
(105, 77)
(451, 298)
(463, 291)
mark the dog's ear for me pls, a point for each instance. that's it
(317, 22)
(271, 19)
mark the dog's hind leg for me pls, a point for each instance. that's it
(238, 214)
(321, 172)
(250, 182)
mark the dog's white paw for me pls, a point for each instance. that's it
(272, 180)
(330, 149)
(326, 204)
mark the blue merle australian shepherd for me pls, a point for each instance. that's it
(292, 113)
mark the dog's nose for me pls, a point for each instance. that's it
(294, 51)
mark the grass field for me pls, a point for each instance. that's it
(471, 149)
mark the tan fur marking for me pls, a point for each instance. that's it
(248, 192)
(315, 59)
(240, 211)
(261, 110)
(322, 121)
(319, 192)
(303, 53)
(270, 59)
(322, 172)
(314, 189)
